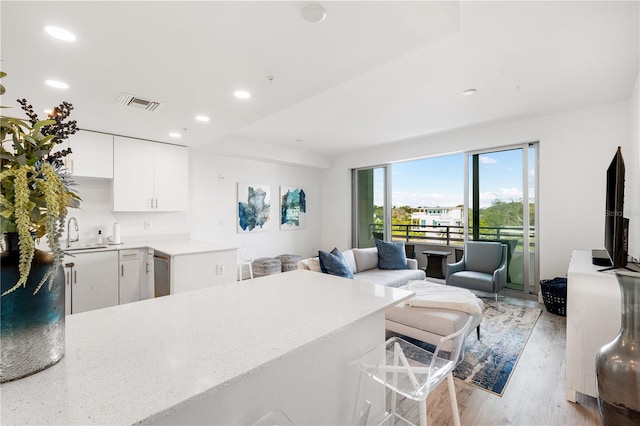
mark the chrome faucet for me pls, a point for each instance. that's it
(75, 225)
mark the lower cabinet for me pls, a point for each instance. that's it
(101, 279)
(202, 270)
(129, 276)
(93, 280)
(96, 280)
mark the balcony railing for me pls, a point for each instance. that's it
(451, 234)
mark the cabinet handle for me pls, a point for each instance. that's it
(75, 277)
(122, 270)
(68, 280)
(156, 203)
(151, 202)
(146, 267)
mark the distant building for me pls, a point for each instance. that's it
(438, 216)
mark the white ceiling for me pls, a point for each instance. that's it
(370, 73)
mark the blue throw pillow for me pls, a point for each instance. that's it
(391, 255)
(334, 263)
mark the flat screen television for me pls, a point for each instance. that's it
(616, 227)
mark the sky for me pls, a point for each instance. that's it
(439, 181)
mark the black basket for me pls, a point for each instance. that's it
(554, 295)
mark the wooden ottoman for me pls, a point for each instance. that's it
(429, 324)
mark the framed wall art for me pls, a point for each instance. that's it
(254, 204)
(293, 208)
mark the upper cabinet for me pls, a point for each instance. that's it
(149, 176)
(91, 154)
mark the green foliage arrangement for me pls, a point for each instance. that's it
(36, 189)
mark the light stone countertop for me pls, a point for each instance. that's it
(177, 247)
(183, 247)
(132, 362)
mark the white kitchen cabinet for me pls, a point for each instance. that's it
(94, 281)
(171, 177)
(68, 270)
(149, 176)
(129, 276)
(201, 270)
(91, 155)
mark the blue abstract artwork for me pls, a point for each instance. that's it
(254, 204)
(293, 208)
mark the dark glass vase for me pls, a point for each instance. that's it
(32, 326)
(618, 362)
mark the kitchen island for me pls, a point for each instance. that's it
(222, 355)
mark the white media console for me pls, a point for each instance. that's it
(593, 320)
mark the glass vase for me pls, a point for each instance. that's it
(618, 362)
(32, 326)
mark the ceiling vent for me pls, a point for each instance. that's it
(132, 101)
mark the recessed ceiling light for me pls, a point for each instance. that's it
(469, 92)
(313, 13)
(202, 118)
(60, 33)
(175, 135)
(242, 94)
(57, 84)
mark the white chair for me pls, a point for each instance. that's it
(361, 414)
(244, 258)
(413, 372)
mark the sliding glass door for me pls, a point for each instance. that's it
(501, 207)
(370, 205)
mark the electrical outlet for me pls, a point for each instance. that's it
(147, 225)
(220, 269)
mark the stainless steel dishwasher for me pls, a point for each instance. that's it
(161, 274)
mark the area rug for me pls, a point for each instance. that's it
(504, 332)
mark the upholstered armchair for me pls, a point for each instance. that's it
(483, 267)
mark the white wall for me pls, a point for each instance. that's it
(213, 203)
(632, 163)
(575, 150)
(95, 214)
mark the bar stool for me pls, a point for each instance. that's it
(244, 258)
(413, 372)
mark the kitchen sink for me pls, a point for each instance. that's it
(89, 247)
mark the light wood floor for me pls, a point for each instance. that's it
(535, 394)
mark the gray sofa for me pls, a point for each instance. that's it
(364, 265)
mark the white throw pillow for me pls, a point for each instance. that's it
(351, 260)
(366, 258)
(314, 264)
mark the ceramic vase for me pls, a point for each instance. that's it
(32, 326)
(618, 362)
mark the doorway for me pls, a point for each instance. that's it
(370, 205)
(501, 194)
